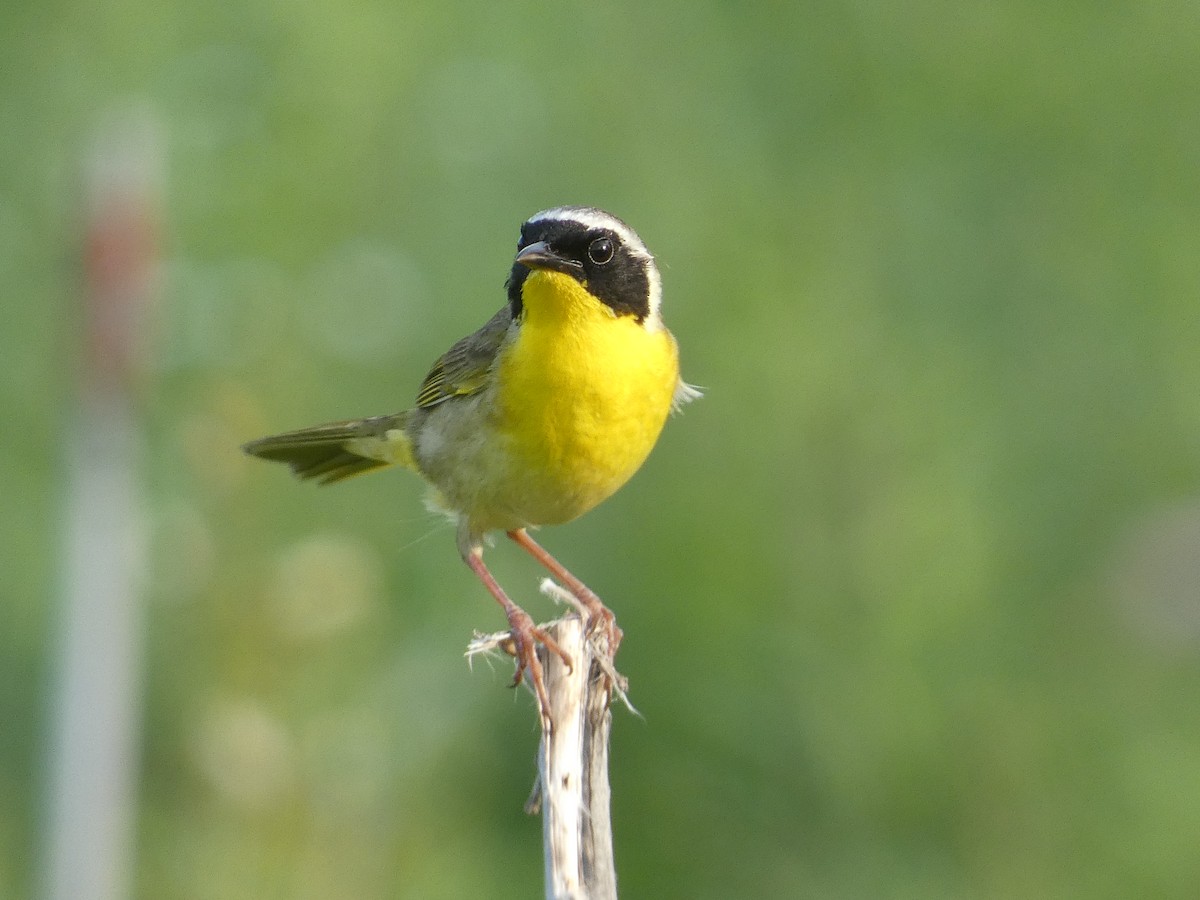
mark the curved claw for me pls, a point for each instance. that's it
(552, 645)
(525, 637)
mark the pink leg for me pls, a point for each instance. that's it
(525, 636)
(599, 615)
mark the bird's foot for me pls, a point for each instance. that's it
(525, 636)
(598, 619)
(601, 624)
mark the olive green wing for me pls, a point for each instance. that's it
(464, 369)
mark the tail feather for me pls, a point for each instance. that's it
(338, 450)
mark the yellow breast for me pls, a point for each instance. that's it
(582, 397)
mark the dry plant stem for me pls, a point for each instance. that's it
(573, 770)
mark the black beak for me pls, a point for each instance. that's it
(538, 255)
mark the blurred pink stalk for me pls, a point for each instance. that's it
(97, 696)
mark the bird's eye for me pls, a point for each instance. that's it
(601, 250)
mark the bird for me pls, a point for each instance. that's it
(537, 417)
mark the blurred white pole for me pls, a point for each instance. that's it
(97, 695)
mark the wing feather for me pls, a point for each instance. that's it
(464, 368)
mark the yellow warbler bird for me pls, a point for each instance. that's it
(539, 415)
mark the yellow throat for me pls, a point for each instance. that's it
(582, 395)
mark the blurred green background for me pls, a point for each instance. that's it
(911, 598)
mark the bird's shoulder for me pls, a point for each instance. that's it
(464, 369)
